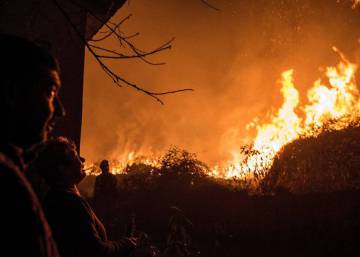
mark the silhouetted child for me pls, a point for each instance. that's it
(76, 228)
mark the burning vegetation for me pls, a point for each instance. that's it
(326, 122)
(296, 181)
(333, 101)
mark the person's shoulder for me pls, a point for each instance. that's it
(66, 199)
(112, 176)
(7, 167)
(62, 197)
(16, 195)
(12, 180)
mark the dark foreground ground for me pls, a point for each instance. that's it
(228, 223)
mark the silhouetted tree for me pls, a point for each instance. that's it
(126, 50)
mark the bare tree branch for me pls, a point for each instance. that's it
(110, 32)
(123, 40)
(118, 80)
(209, 5)
(117, 55)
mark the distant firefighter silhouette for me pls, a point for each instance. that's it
(105, 191)
(77, 229)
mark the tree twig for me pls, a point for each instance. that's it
(121, 39)
(210, 5)
(117, 55)
(110, 32)
(115, 77)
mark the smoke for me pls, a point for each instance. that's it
(232, 59)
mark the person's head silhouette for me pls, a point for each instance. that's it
(104, 166)
(60, 164)
(29, 84)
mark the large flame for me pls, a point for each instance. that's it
(335, 99)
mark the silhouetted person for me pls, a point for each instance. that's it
(29, 104)
(105, 183)
(105, 190)
(76, 228)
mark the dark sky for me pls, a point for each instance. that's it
(232, 59)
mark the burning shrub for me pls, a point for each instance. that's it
(184, 166)
(327, 162)
(177, 168)
(138, 176)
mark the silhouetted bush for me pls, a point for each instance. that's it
(328, 162)
(228, 222)
(177, 169)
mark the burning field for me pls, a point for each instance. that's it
(277, 115)
(262, 159)
(324, 128)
